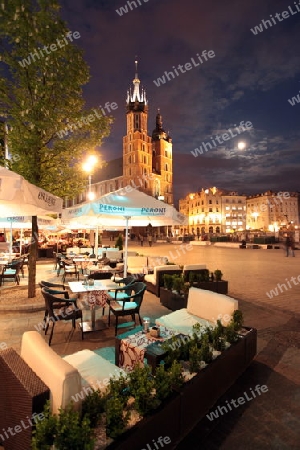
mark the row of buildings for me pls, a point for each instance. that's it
(217, 211)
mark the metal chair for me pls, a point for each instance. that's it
(60, 309)
(11, 272)
(129, 306)
(56, 289)
(70, 269)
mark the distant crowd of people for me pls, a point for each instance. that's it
(149, 239)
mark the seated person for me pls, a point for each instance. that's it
(104, 260)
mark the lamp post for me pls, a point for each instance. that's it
(88, 167)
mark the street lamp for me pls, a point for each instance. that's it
(88, 166)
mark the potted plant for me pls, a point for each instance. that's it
(218, 275)
(68, 429)
(119, 242)
(175, 292)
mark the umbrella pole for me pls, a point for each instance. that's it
(96, 241)
(21, 238)
(126, 246)
(10, 243)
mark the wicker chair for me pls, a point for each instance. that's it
(60, 309)
(129, 306)
(11, 272)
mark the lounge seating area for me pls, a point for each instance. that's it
(75, 376)
(141, 265)
(156, 280)
(204, 308)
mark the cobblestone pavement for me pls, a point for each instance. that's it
(270, 421)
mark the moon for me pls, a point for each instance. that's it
(241, 145)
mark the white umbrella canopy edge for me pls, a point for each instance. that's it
(19, 197)
(131, 205)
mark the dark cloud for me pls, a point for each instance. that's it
(251, 78)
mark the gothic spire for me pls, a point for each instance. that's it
(136, 96)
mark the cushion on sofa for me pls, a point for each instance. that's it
(95, 371)
(166, 268)
(136, 264)
(62, 378)
(182, 322)
(210, 305)
(154, 261)
(150, 278)
(194, 267)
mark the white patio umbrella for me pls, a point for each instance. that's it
(19, 197)
(24, 223)
(125, 205)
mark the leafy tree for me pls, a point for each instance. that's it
(41, 95)
(41, 80)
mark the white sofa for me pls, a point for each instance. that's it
(203, 307)
(143, 264)
(194, 268)
(137, 264)
(69, 378)
(155, 281)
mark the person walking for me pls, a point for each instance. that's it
(150, 240)
(141, 237)
(289, 245)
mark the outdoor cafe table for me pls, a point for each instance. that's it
(131, 348)
(96, 295)
(83, 262)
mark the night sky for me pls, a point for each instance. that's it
(250, 79)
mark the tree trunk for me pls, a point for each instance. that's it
(32, 258)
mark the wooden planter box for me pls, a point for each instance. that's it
(201, 393)
(165, 421)
(180, 414)
(172, 301)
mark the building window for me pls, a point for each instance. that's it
(166, 167)
(136, 121)
(129, 159)
(210, 210)
(209, 202)
(166, 153)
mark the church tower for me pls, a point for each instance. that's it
(162, 161)
(147, 161)
(137, 150)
